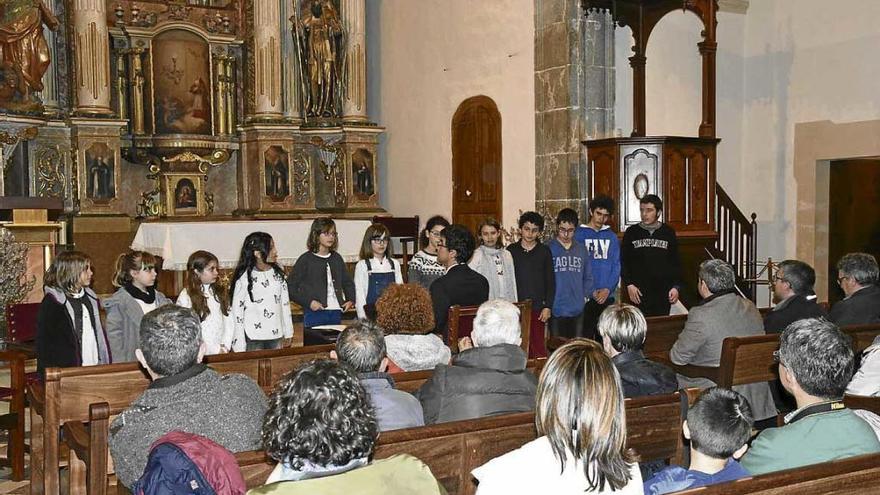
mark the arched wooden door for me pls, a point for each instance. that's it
(476, 162)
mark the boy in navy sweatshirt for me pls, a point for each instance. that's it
(604, 249)
(651, 270)
(574, 279)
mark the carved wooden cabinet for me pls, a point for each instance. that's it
(681, 170)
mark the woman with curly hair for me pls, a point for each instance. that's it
(405, 313)
(581, 422)
(321, 429)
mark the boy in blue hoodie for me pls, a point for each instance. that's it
(718, 425)
(604, 248)
(574, 279)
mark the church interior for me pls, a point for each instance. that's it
(182, 125)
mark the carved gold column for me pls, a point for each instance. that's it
(354, 103)
(91, 57)
(267, 60)
(230, 93)
(220, 94)
(137, 90)
(121, 84)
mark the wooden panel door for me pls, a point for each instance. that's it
(853, 214)
(476, 162)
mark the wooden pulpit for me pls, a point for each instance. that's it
(34, 221)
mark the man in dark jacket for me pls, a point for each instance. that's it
(622, 328)
(487, 379)
(362, 347)
(650, 268)
(857, 276)
(460, 285)
(794, 296)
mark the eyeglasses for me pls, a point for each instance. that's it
(441, 246)
(777, 358)
(841, 279)
(778, 278)
(566, 231)
(435, 233)
(380, 240)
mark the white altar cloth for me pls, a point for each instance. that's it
(175, 241)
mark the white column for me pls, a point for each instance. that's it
(91, 57)
(267, 59)
(354, 103)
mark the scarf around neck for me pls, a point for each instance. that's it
(148, 297)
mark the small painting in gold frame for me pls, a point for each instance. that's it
(184, 194)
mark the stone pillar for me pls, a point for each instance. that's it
(599, 74)
(354, 103)
(268, 104)
(92, 57)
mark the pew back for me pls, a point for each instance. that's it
(862, 335)
(747, 360)
(662, 333)
(857, 475)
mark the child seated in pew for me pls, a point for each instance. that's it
(718, 426)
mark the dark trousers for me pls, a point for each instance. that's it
(592, 311)
(567, 326)
(655, 303)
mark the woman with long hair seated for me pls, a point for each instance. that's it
(581, 425)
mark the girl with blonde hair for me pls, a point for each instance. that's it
(581, 424)
(69, 331)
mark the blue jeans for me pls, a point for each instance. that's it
(260, 345)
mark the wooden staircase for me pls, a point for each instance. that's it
(737, 241)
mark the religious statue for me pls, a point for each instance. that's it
(320, 38)
(24, 53)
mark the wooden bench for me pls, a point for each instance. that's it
(461, 321)
(68, 394)
(88, 435)
(862, 335)
(857, 476)
(453, 449)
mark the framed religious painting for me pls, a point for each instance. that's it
(183, 194)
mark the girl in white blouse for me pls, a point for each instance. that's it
(260, 302)
(208, 299)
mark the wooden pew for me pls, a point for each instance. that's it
(862, 402)
(662, 333)
(461, 322)
(862, 335)
(68, 393)
(88, 436)
(453, 449)
(856, 475)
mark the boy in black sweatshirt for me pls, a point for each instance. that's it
(535, 280)
(651, 270)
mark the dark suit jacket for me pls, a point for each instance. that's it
(791, 310)
(461, 286)
(859, 308)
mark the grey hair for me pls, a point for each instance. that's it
(862, 267)
(625, 327)
(718, 275)
(497, 322)
(799, 275)
(361, 346)
(819, 356)
(170, 339)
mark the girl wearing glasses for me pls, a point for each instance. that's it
(319, 281)
(423, 267)
(375, 271)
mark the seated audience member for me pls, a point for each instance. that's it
(793, 295)
(321, 429)
(622, 328)
(460, 285)
(857, 276)
(362, 347)
(581, 425)
(484, 380)
(815, 366)
(866, 381)
(718, 426)
(721, 314)
(405, 313)
(185, 395)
